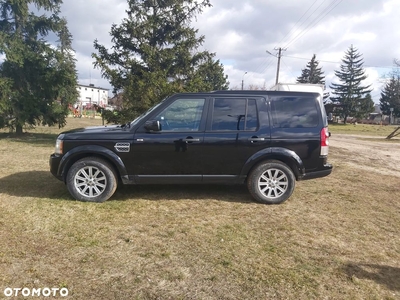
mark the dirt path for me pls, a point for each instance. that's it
(367, 153)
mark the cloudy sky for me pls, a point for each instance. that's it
(241, 33)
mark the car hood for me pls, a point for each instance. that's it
(96, 132)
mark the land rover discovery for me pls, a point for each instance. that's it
(267, 140)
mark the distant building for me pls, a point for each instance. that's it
(377, 108)
(89, 95)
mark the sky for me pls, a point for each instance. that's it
(245, 34)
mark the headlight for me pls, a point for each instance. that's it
(59, 145)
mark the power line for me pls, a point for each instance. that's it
(339, 62)
(311, 15)
(264, 66)
(288, 68)
(294, 26)
(316, 20)
(269, 61)
(279, 55)
(327, 61)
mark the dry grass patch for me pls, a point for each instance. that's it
(336, 238)
(363, 129)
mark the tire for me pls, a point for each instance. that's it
(271, 182)
(91, 179)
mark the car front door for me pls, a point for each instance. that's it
(173, 154)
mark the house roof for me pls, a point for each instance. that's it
(93, 87)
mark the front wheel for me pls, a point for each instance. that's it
(91, 179)
(271, 182)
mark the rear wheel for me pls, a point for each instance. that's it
(91, 179)
(271, 182)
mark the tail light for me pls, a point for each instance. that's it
(324, 141)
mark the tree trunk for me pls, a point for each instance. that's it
(18, 129)
(345, 120)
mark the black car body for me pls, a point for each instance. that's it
(267, 139)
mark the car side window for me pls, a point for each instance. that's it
(182, 115)
(294, 112)
(232, 114)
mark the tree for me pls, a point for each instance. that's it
(390, 97)
(255, 87)
(350, 95)
(155, 54)
(365, 107)
(312, 73)
(40, 78)
(5, 94)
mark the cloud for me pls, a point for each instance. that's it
(89, 20)
(240, 33)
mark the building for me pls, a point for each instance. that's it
(89, 95)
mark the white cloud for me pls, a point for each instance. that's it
(240, 32)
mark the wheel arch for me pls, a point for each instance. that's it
(286, 156)
(80, 152)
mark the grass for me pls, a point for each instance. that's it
(362, 129)
(335, 238)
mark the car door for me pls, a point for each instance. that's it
(233, 135)
(173, 154)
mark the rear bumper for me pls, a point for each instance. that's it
(327, 169)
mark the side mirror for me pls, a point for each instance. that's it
(152, 125)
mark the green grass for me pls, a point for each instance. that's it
(335, 238)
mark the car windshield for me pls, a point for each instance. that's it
(138, 119)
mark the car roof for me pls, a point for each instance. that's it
(248, 93)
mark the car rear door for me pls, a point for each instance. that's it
(233, 134)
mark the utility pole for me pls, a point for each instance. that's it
(279, 64)
(243, 79)
(279, 55)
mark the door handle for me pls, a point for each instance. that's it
(256, 139)
(191, 140)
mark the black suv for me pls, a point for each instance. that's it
(265, 139)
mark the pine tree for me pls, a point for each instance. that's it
(155, 54)
(365, 107)
(312, 73)
(350, 95)
(390, 97)
(41, 79)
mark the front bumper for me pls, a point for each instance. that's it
(54, 163)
